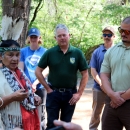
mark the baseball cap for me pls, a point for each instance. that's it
(109, 28)
(34, 31)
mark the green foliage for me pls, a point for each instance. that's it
(114, 13)
(0, 10)
(85, 27)
(84, 18)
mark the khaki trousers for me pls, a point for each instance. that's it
(97, 106)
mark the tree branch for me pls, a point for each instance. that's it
(35, 12)
(85, 23)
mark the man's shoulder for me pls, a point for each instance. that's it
(75, 49)
(99, 48)
(113, 48)
(55, 48)
(51, 50)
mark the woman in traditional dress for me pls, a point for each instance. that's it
(18, 104)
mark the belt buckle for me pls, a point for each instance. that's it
(61, 89)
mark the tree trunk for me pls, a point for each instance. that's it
(18, 8)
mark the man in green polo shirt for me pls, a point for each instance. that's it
(115, 77)
(63, 61)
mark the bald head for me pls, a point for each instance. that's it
(126, 20)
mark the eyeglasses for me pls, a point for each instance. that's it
(107, 35)
(126, 32)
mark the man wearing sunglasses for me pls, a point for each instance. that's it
(115, 77)
(95, 63)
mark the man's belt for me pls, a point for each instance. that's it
(63, 89)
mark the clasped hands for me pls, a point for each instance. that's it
(117, 100)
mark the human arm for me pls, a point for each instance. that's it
(42, 80)
(95, 64)
(45, 73)
(19, 96)
(68, 125)
(126, 95)
(82, 86)
(106, 73)
(107, 88)
(96, 76)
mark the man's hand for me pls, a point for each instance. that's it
(49, 90)
(75, 98)
(116, 99)
(67, 125)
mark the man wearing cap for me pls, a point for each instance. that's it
(95, 63)
(29, 59)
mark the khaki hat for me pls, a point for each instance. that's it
(109, 28)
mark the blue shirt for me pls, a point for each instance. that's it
(96, 61)
(31, 59)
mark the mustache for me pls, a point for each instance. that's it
(124, 41)
(124, 37)
(107, 39)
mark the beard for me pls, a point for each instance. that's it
(125, 41)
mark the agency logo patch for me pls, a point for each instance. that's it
(72, 60)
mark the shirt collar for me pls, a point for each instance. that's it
(122, 45)
(69, 49)
(103, 48)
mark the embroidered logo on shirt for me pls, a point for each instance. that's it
(72, 60)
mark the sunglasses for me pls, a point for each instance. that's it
(107, 35)
(126, 32)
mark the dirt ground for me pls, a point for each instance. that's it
(83, 109)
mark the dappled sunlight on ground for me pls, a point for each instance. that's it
(83, 109)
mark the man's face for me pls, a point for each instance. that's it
(108, 37)
(62, 37)
(125, 33)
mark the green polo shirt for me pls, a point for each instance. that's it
(117, 63)
(63, 67)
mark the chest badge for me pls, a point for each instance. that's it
(72, 60)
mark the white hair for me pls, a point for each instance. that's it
(61, 26)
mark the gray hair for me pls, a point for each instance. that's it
(61, 26)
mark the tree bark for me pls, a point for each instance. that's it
(18, 8)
